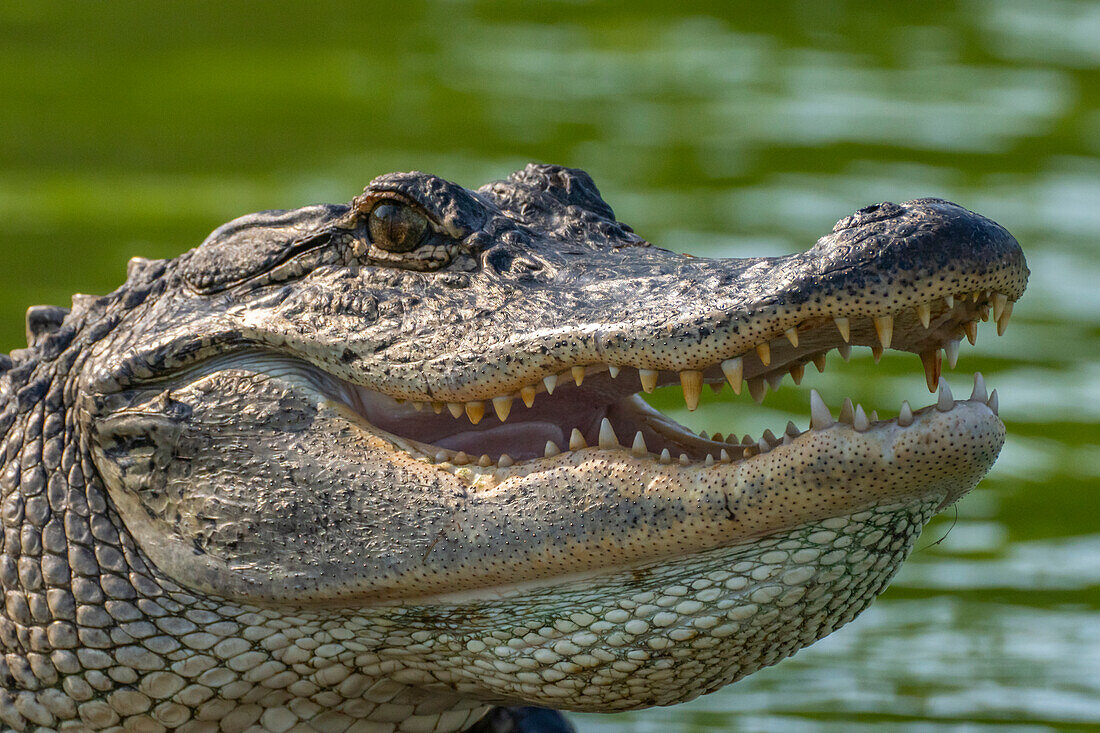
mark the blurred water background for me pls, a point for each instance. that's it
(713, 128)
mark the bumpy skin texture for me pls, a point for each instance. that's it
(204, 529)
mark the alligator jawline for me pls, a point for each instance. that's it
(593, 405)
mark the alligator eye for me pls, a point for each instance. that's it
(396, 227)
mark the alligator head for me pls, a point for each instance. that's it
(412, 425)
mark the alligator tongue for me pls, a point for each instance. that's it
(519, 440)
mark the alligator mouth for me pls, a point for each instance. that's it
(600, 405)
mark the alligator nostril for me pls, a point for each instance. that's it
(868, 214)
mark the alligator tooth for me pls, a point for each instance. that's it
(876, 351)
(550, 381)
(666, 457)
(648, 378)
(418, 406)
(787, 440)
(551, 449)
(884, 327)
(527, 394)
(769, 436)
(684, 460)
(505, 460)
(999, 302)
(717, 438)
(750, 451)
(971, 329)
(933, 364)
(437, 407)
(764, 351)
(716, 387)
(441, 456)
(843, 326)
(774, 380)
(924, 313)
(993, 403)
(859, 420)
(692, 383)
(709, 460)
(724, 456)
(734, 369)
(763, 445)
(578, 374)
(613, 370)
(608, 439)
(983, 312)
(905, 417)
(797, 371)
(485, 461)
(819, 361)
(951, 350)
(747, 440)
(976, 295)
(758, 388)
(639, 447)
(455, 408)
(792, 335)
(978, 392)
(704, 435)
(847, 411)
(502, 406)
(845, 351)
(874, 415)
(576, 440)
(820, 417)
(1002, 321)
(475, 411)
(460, 459)
(950, 301)
(945, 401)
(792, 429)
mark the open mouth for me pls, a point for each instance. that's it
(599, 405)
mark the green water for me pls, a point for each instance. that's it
(135, 128)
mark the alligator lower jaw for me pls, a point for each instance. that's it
(595, 407)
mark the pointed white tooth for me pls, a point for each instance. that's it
(775, 380)
(527, 394)
(979, 388)
(993, 403)
(551, 449)
(441, 456)
(792, 335)
(763, 445)
(608, 439)
(505, 460)
(724, 456)
(692, 383)
(502, 406)
(884, 327)
(576, 440)
(874, 415)
(684, 460)
(460, 459)
(844, 327)
(924, 313)
(787, 440)
(758, 388)
(792, 429)
(734, 369)
(613, 370)
(860, 421)
(639, 447)
(999, 302)
(485, 461)
(847, 411)
(905, 417)
(475, 411)
(945, 401)
(456, 409)
(578, 374)
(845, 351)
(950, 301)
(648, 378)
(819, 361)
(951, 351)
(820, 417)
(764, 351)
(709, 460)
(550, 381)
(1002, 322)
(666, 457)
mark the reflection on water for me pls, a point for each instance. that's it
(711, 129)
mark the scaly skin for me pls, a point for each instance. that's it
(244, 490)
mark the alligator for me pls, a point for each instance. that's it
(387, 465)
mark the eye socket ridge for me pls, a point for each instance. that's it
(395, 226)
